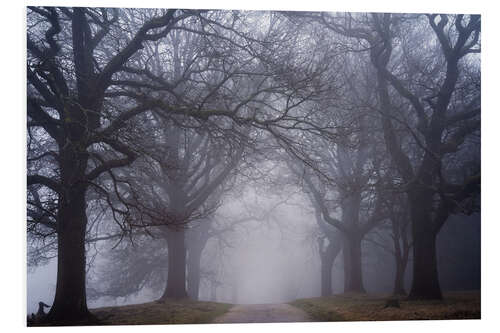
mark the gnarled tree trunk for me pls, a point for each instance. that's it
(401, 252)
(353, 280)
(353, 277)
(176, 277)
(425, 284)
(70, 302)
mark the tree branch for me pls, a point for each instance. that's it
(48, 182)
(115, 163)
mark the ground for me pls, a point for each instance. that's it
(344, 307)
(154, 313)
(263, 313)
(352, 307)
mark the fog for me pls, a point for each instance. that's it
(272, 261)
(250, 157)
(276, 261)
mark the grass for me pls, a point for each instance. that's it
(343, 307)
(358, 307)
(170, 312)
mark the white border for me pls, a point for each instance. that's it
(13, 49)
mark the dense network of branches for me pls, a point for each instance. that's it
(143, 122)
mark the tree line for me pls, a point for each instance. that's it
(142, 122)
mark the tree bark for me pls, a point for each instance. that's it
(353, 280)
(70, 302)
(176, 277)
(327, 259)
(399, 288)
(353, 277)
(401, 252)
(326, 277)
(193, 270)
(425, 284)
(196, 240)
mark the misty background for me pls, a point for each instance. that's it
(250, 157)
(277, 261)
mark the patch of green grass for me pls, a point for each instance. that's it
(154, 313)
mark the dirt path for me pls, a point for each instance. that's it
(263, 313)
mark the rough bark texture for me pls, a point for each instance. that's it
(353, 276)
(176, 278)
(352, 271)
(399, 216)
(425, 284)
(70, 301)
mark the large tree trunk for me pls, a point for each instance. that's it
(327, 259)
(326, 277)
(353, 281)
(399, 288)
(193, 270)
(400, 255)
(196, 239)
(176, 277)
(353, 277)
(425, 284)
(70, 302)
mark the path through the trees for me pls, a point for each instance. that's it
(263, 313)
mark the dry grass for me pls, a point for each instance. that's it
(154, 313)
(355, 307)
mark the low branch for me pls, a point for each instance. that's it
(45, 181)
(115, 163)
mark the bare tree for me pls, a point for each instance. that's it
(327, 253)
(87, 79)
(398, 231)
(70, 69)
(440, 115)
(145, 116)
